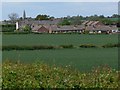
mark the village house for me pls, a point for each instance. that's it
(32, 23)
(98, 27)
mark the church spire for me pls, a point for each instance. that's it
(24, 15)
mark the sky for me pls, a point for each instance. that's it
(60, 0)
(58, 9)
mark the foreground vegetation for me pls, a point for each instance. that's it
(40, 75)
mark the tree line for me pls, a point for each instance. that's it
(72, 20)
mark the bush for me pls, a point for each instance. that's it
(88, 46)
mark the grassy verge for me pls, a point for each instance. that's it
(40, 75)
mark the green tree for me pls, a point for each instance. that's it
(65, 22)
(27, 28)
(107, 21)
(101, 16)
(43, 17)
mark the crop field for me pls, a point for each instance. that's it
(80, 58)
(58, 39)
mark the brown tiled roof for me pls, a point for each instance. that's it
(70, 27)
(90, 22)
(84, 23)
(95, 22)
(89, 28)
(103, 28)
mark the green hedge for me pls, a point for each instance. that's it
(39, 47)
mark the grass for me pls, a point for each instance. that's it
(41, 75)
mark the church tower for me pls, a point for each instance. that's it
(24, 15)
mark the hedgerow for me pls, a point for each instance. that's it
(39, 47)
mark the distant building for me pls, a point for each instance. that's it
(58, 29)
(24, 15)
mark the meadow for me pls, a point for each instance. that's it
(82, 59)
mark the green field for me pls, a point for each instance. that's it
(81, 58)
(58, 39)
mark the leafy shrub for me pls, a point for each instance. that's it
(88, 46)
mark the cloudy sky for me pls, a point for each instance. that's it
(59, 9)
